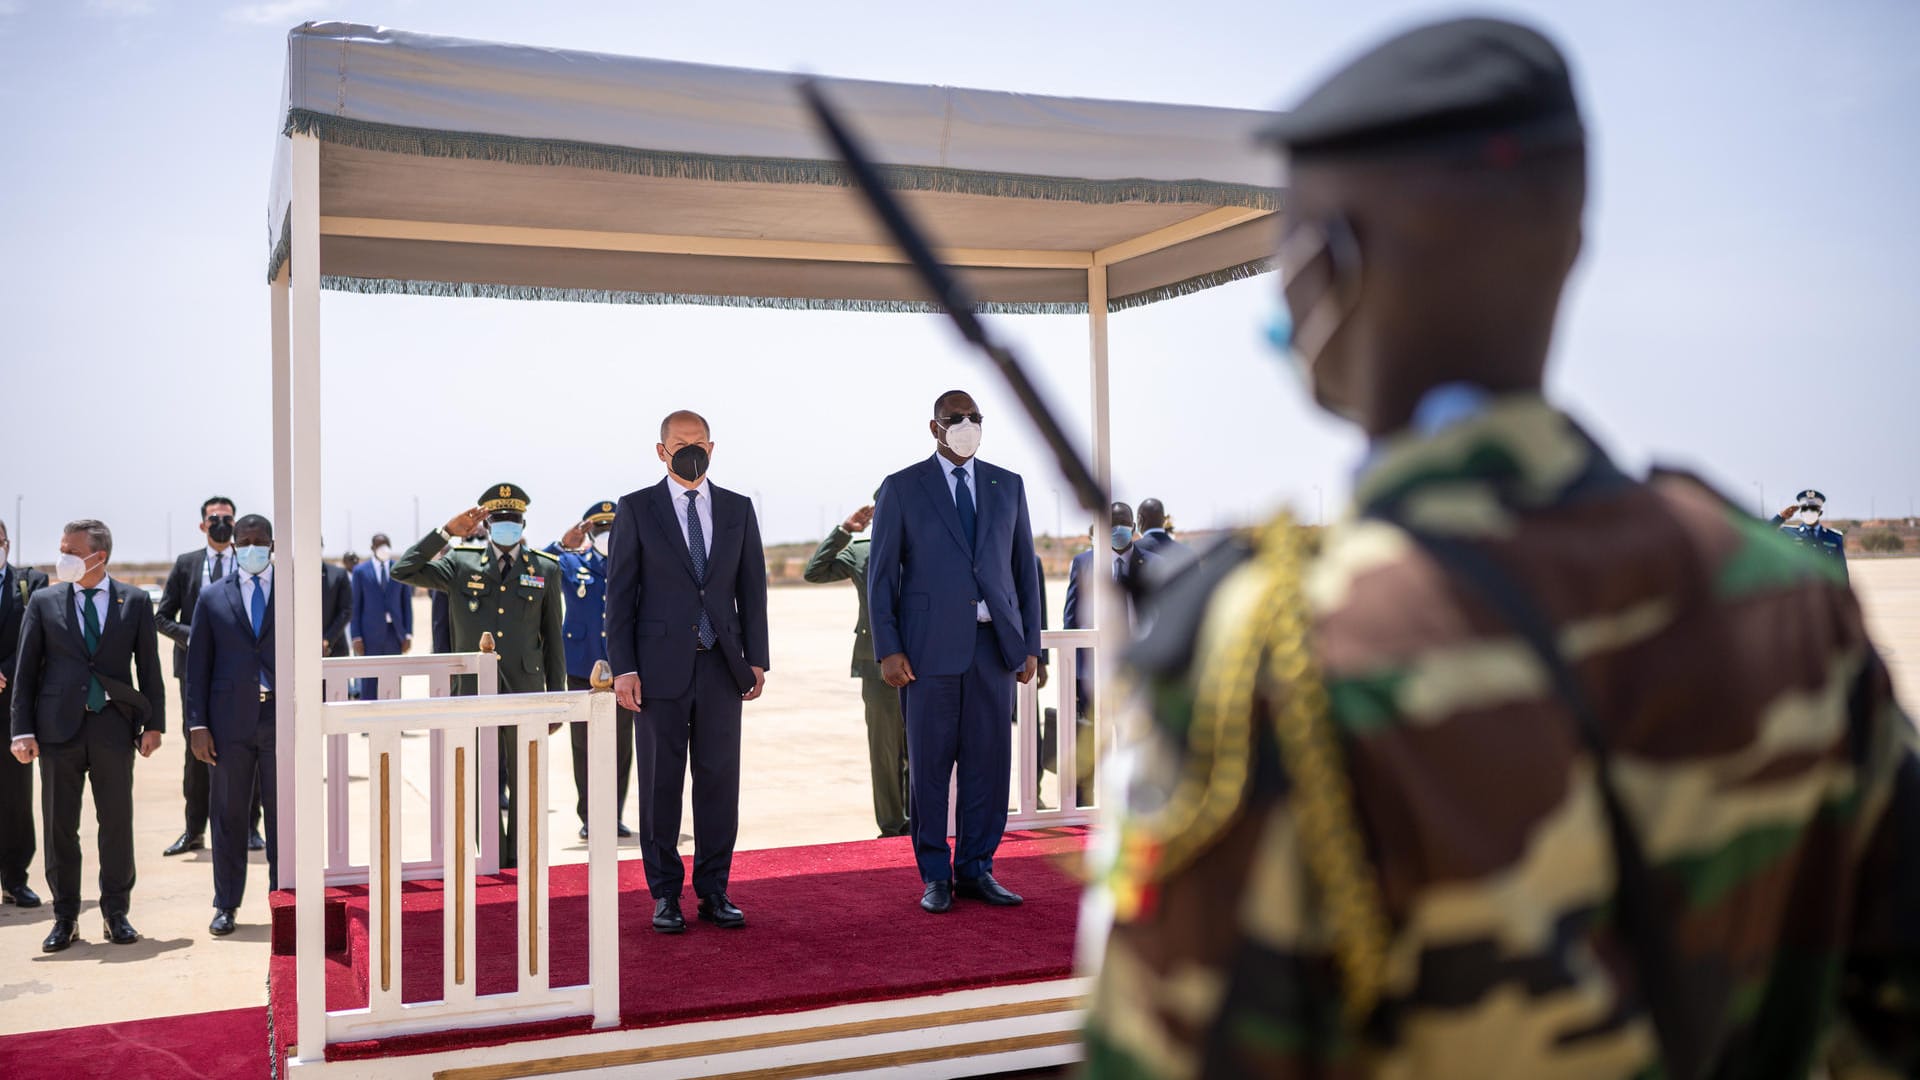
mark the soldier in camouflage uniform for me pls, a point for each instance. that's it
(1532, 769)
(509, 590)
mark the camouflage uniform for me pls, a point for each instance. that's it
(1439, 856)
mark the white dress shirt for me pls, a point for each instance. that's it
(702, 505)
(980, 613)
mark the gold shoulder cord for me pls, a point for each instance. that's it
(1273, 638)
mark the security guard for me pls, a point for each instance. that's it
(504, 589)
(1801, 523)
(1532, 768)
(582, 554)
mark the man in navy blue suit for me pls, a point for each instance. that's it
(382, 623)
(229, 706)
(953, 592)
(582, 553)
(687, 638)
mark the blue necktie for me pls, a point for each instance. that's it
(697, 547)
(258, 609)
(963, 502)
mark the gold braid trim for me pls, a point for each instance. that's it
(1260, 625)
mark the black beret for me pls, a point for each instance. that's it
(1476, 88)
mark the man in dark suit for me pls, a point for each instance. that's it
(382, 610)
(687, 639)
(192, 572)
(76, 708)
(229, 707)
(336, 608)
(953, 592)
(17, 844)
(1156, 540)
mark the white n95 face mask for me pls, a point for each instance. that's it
(599, 542)
(1807, 517)
(70, 568)
(963, 438)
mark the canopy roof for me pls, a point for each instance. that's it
(468, 168)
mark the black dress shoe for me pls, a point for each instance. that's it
(937, 898)
(719, 911)
(62, 935)
(21, 895)
(120, 931)
(985, 888)
(222, 923)
(666, 916)
(583, 832)
(256, 842)
(625, 833)
(187, 842)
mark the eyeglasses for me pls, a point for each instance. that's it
(953, 418)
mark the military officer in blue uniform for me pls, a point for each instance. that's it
(1801, 523)
(582, 553)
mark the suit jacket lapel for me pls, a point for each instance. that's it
(235, 599)
(664, 510)
(933, 478)
(73, 618)
(116, 601)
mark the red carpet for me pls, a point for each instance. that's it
(232, 1043)
(827, 925)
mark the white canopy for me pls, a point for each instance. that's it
(457, 167)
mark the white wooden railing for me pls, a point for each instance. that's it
(439, 669)
(1065, 646)
(462, 729)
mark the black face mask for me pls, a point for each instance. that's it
(220, 529)
(690, 462)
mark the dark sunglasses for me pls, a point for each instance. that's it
(217, 519)
(953, 418)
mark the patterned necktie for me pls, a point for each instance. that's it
(697, 548)
(963, 502)
(219, 566)
(96, 694)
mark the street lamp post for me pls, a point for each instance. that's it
(416, 519)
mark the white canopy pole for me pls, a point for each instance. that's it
(300, 531)
(283, 625)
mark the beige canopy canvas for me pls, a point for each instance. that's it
(455, 167)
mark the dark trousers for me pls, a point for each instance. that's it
(507, 817)
(886, 755)
(246, 767)
(704, 724)
(197, 788)
(17, 839)
(369, 689)
(623, 743)
(958, 723)
(103, 753)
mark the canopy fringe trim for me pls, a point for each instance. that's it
(479, 290)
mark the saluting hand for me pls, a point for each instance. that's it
(576, 537)
(858, 521)
(896, 670)
(465, 522)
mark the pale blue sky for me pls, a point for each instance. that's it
(1744, 305)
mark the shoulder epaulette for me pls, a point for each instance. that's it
(555, 559)
(466, 547)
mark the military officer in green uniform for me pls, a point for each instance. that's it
(508, 590)
(1526, 767)
(842, 556)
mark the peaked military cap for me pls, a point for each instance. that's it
(597, 513)
(504, 497)
(1812, 497)
(1474, 88)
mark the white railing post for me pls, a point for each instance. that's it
(603, 867)
(383, 874)
(455, 760)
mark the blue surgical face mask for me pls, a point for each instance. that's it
(253, 560)
(505, 534)
(1122, 536)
